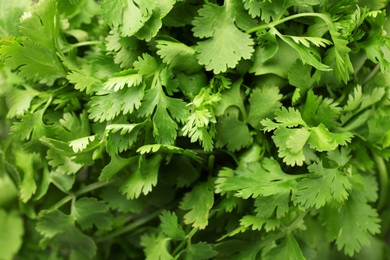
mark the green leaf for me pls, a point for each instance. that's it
(20, 101)
(199, 201)
(307, 53)
(155, 247)
(32, 61)
(53, 223)
(288, 249)
(89, 211)
(25, 162)
(126, 78)
(216, 23)
(118, 13)
(353, 225)
(323, 140)
(143, 179)
(10, 13)
(255, 179)
(39, 25)
(84, 82)
(264, 102)
(170, 227)
(107, 107)
(178, 55)
(200, 251)
(278, 203)
(232, 133)
(62, 163)
(12, 230)
(125, 49)
(322, 186)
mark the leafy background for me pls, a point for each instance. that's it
(188, 129)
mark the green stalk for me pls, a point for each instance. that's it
(86, 189)
(383, 180)
(132, 226)
(291, 17)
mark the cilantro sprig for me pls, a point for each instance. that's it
(188, 129)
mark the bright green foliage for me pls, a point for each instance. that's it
(190, 129)
(11, 226)
(218, 24)
(199, 202)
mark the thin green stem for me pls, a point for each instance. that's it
(132, 226)
(86, 189)
(81, 44)
(372, 74)
(283, 232)
(383, 180)
(277, 22)
(184, 242)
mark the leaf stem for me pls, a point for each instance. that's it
(185, 241)
(383, 180)
(283, 232)
(277, 22)
(81, 44)
(86, 189)
(372, 74)
(132, 226)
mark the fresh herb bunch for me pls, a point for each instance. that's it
(189, 129)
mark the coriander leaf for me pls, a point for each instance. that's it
(31, 60)
(125, 49)
(377, 48)
(199, 201)
(178, 55)
(216, 23)
(156, 247)
(10, 13)
(53, 223)
(118, 13)
(265, 206)
(62, 181)
(232, 132)
(81, 144)
(84, 82)
(127, 78)
(229, 99)
(25, 162)
(89, 211)
(116, 201)
(116, 164)
(285, 117)
(167, 109)
(307, 53)
(200, 251)
(62, 163)
(143, 179)
(318, 110)
(322, 186)
(352, 225)
(263, 102)
(39, 25)
(266, 10)
(255, 179)
(291, 143)
(107, 107)
(170, 227)
(121, 137)
(288, 249)
(323, 140)
(273, 56)
(20, 101)
(299, 75)
(11, 226)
